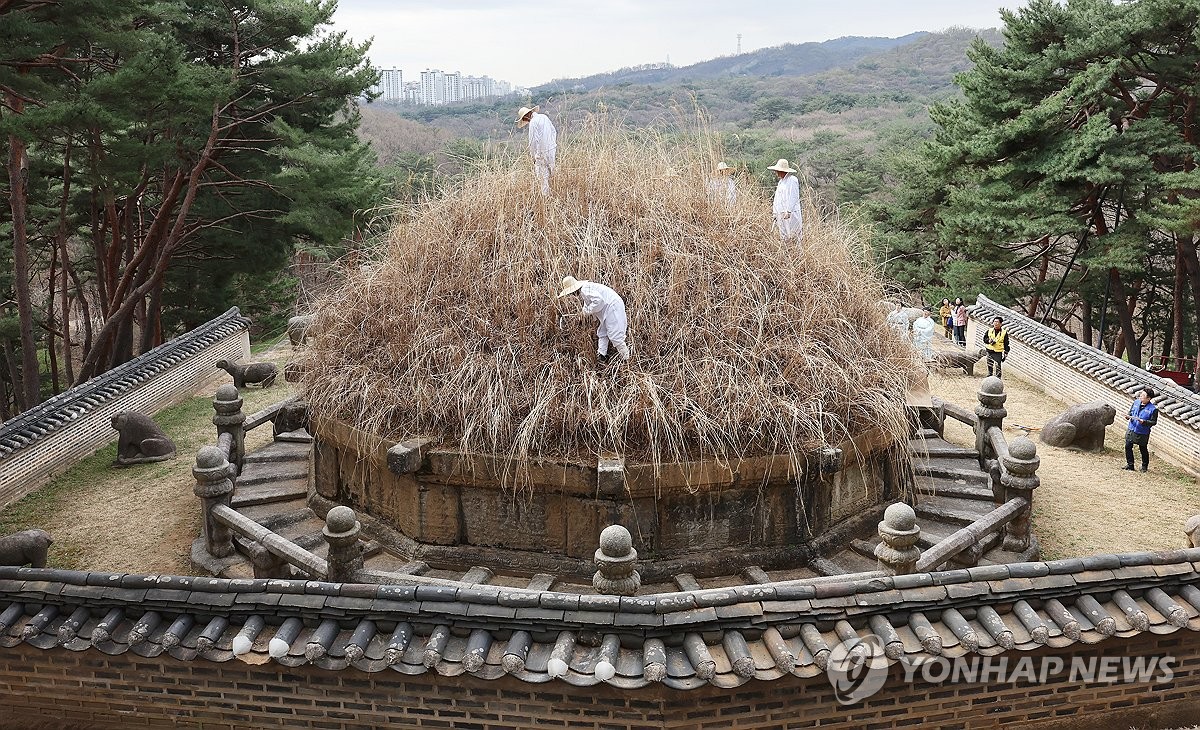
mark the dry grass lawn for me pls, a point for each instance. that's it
(137, 519)
(1087, 503)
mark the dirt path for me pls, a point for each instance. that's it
(138, 519)
(1087, 503)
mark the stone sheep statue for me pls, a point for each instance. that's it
(27, 547)
(1191, 528)
(298, 329)
(255, 373)
(141, 441)
(959, 359)
(1081, 426)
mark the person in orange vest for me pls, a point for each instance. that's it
(995, 341)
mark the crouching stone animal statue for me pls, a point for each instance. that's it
(298, 329)
(958, 359)
(255, 373)
(141, 440)
(27, 547)
(1081, 426)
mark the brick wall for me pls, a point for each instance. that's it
(64, 689)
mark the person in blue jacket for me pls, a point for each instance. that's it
(1142, 416)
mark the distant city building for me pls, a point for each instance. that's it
(439, 87)
(391, 85)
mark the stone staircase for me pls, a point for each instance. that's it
(952, 492)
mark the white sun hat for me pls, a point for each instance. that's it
(722, 167)
(521, 120)
(781, 166)
(570, 285)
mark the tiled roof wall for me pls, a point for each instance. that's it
(52, 436)
(1074, 371)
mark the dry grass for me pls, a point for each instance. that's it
(743, 344)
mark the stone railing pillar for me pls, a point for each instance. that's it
(991, 412)
(345, 551)
(616, 563)
(214, 486)
(228, 418)
(897, 552)
(1020, 479)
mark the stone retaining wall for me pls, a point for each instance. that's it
(1073, 371)
(50, 438)
(64, 689)
(698, 515)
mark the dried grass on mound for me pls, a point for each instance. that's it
(743, 345)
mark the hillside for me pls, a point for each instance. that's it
(837, 122)
(787, 60)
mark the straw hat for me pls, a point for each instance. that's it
(781, 166)
(570, 286)
(722, 167)
(521, 120)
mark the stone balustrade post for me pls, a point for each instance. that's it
(228, 418)
(1020, 479)
(616, 563)
(991, 412)
(345, 552)
(214, 486)
(899, 532)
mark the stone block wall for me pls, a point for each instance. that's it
(47, 440)
(758, 510)
(65, 689)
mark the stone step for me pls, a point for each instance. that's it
(968, 471)
(279, 471)
(755, 574)
(851, 561)
(278, 451)
(269, 492)
(925, 433)
(955, 488)
(943, 450)
(951, 509)
(825, 566)
(865, 548)
(277, 515)
(317, 545)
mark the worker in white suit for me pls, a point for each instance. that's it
(721, 185)
(787, 201)
(543, 143)
(922, 334)
(606, 305)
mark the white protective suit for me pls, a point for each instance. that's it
(723, 190)
(606, 305)
(787, 200)
(543, 143)
(922, 334)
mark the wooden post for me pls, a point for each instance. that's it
(214, 485)
(227, 403)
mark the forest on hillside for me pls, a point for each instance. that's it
(164, 161)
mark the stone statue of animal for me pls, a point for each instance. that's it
(965, 359)
(27, 547)
(298, 328)
(255, 373)
(1080, 426)
(141, 441)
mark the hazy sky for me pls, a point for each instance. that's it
(530, 42)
